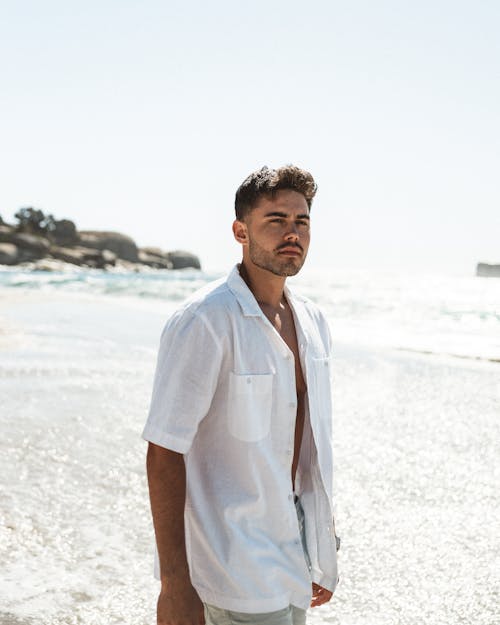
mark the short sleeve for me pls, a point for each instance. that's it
(187, 371)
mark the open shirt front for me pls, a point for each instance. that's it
(224, 395)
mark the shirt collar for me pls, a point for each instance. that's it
(246, 298)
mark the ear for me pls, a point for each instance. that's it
(240, 231)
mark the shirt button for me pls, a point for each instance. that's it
(288, 356)
(292, 404)
(290, 497)
(249, 380)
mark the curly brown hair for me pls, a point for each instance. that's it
(267, 182)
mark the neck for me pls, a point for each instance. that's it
(265, 286)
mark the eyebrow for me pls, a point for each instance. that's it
(285, 215)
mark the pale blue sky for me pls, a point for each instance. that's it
(144, 117)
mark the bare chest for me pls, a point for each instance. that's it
(284, 324)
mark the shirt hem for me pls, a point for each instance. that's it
(270, 604)
(325, 581)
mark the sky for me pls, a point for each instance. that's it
(144, 117)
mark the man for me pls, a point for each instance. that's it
(239, 459)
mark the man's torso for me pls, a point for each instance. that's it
(250, 379)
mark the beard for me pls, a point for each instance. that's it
(270, 261)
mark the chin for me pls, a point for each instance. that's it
(279, 266)
(290, 269)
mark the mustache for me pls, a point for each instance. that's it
(285, 245)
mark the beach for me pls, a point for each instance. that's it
(417, 442)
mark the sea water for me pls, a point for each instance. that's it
(456, 315)
(417, 431)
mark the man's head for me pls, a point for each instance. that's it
(272, 219)
(267, 182)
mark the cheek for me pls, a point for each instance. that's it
(272, 234)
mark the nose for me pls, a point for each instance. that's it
(292, 234)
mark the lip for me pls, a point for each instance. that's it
(290, 251)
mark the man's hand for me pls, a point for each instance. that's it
(320, 595)
(179, 605)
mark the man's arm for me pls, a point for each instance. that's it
(178, 603)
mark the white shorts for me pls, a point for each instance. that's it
(290, 615)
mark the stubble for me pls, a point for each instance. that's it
(270, 261)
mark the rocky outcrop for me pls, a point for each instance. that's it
(31, 245)
(84, 256)
(5, 230)
(28, 246)
(9, 254)
(122, 245)
(156, 260)
(64, 233)
(182, 260)
(38, 238)
(488, 271)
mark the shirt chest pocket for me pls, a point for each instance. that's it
(250, 403)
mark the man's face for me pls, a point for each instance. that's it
(278, 233)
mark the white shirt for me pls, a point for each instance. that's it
(224, 395)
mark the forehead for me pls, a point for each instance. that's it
(285, 201)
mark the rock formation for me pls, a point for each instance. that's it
(42, 240)
(488, 271)
(122, 245)
(181, 260)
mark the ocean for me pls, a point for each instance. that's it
(417, 422)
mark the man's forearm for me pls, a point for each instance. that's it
(178, 603)
(167, 492)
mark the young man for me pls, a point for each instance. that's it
(240, 432)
